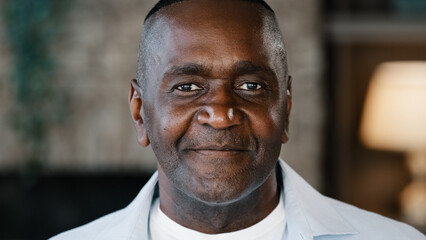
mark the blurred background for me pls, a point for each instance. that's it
(68, 151)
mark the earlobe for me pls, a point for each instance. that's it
(135, 105)
(285, 137)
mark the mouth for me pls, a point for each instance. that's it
(213, 150)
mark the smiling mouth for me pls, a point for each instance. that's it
(218, 150)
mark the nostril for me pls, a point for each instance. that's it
(203, 117)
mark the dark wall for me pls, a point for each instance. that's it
(38, 207)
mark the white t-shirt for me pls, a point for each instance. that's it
(161, 227)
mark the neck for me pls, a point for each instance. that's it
(213, 218)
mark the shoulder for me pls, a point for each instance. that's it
(374, 226)
(90, 230)
(128, 223)
(310, 213)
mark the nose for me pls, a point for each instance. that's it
(220, 112)
(219, 117)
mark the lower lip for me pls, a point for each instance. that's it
(218, 153)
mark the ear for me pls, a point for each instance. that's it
(285, 137)
(135, 105)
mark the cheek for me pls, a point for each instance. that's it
(267, 122)
(166, 126)
(174, 120)
(279, 115)
(168, 120)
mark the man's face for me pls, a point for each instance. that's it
(214, 105)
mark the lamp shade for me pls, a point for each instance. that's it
(394, 116)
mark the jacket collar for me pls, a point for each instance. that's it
(132, 222)
(309, 214)
(142, 206)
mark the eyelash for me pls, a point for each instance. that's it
(258, 86)
(187, 89)
(179, 87)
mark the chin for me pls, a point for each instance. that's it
(219, 192)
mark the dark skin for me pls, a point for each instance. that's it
(215, 109)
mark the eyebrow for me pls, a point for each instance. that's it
(238, 69)
(188, 69)
(247, 67)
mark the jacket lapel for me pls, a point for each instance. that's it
(309, 214)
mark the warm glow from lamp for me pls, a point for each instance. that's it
(394, 118)
(395, 108)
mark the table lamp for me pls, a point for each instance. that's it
(394, 118)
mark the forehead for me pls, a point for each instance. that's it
(191, 12)
(211, 31)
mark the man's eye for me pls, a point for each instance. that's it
(250, 86)
(187, 87)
